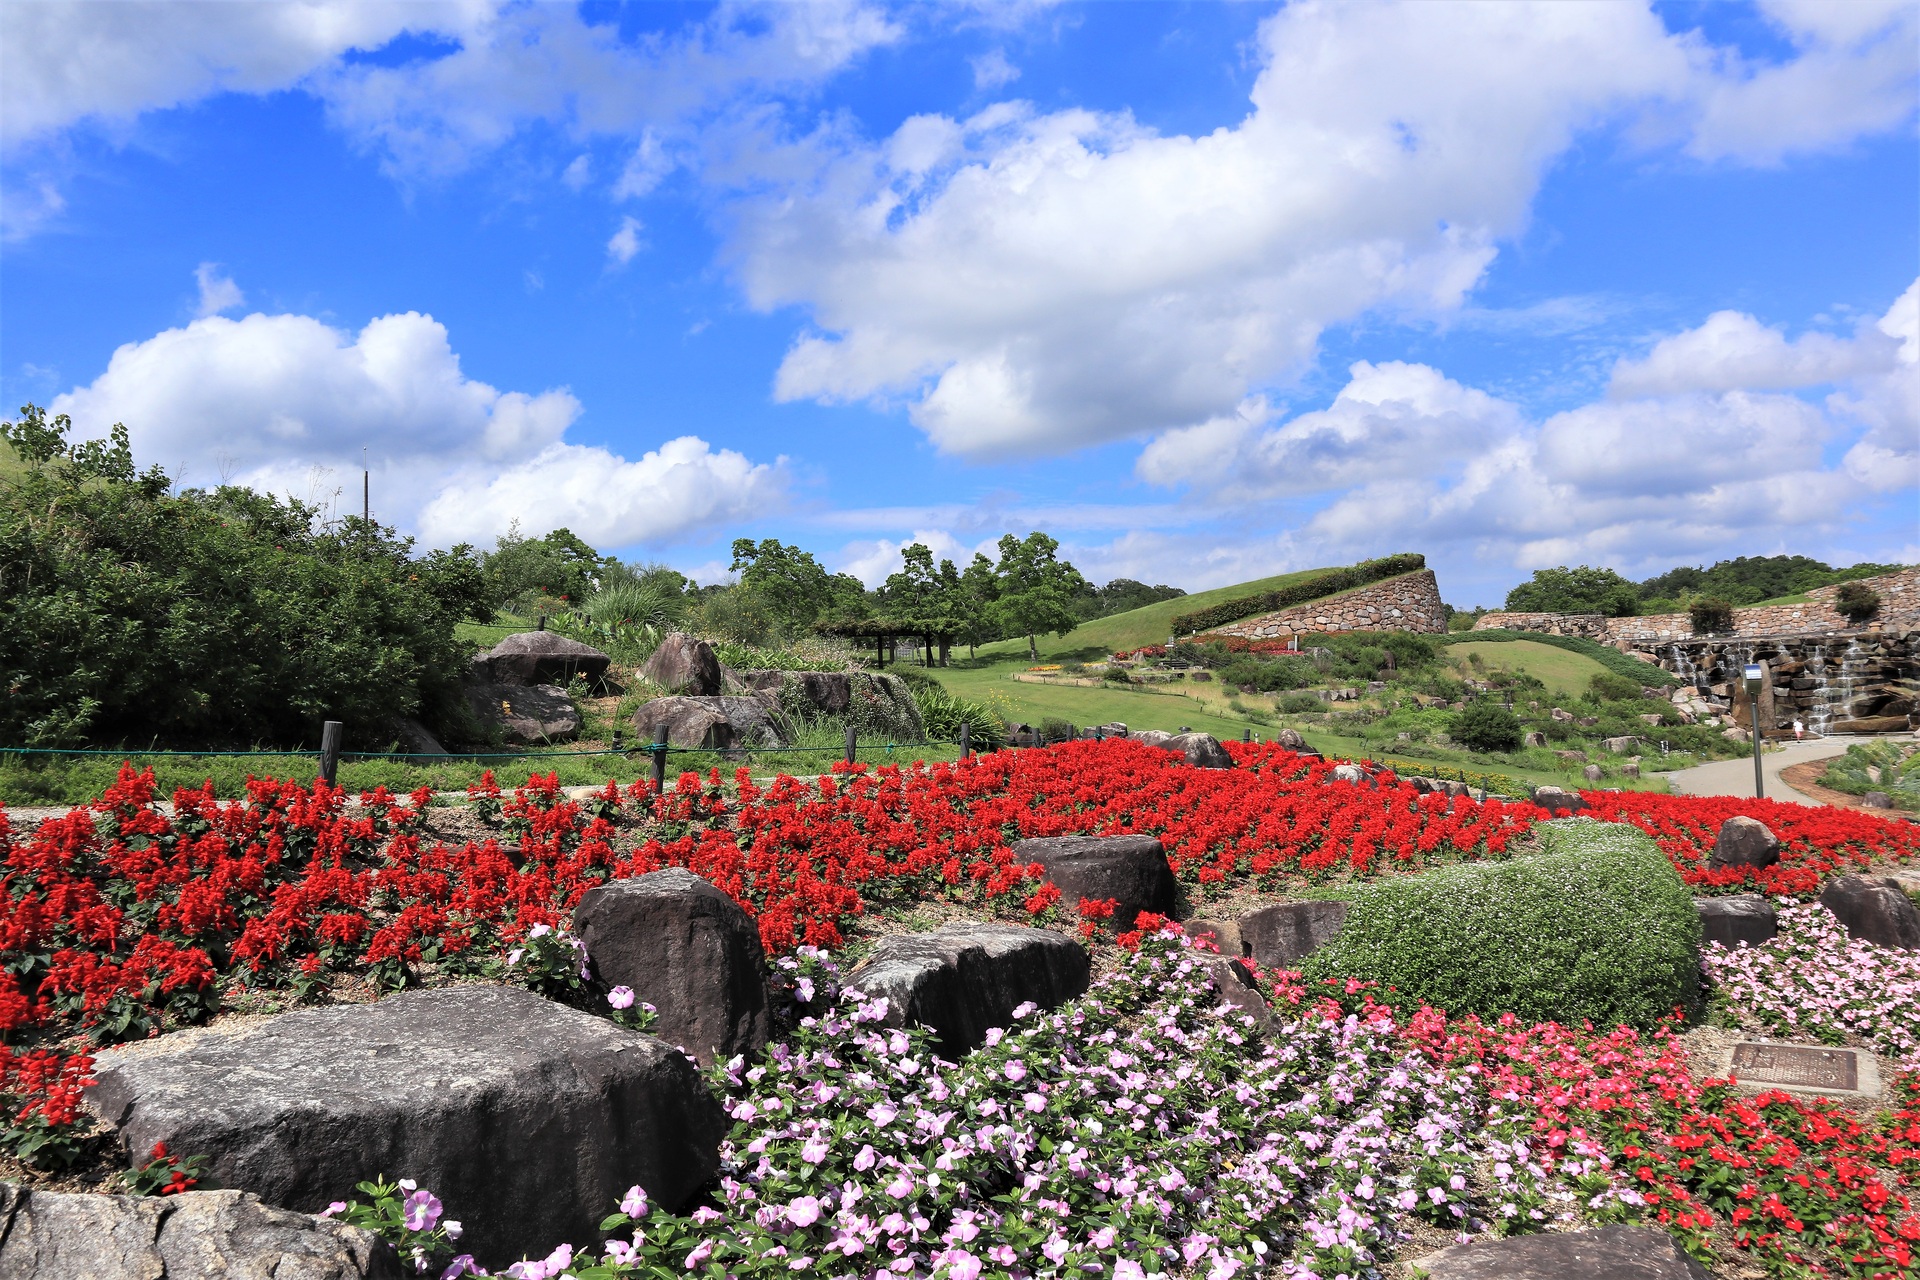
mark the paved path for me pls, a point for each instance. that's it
(1735, 777)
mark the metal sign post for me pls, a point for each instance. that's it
(1755, 677)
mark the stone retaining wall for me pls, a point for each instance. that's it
(1410, 602)
(1899, 612)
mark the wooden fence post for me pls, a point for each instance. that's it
(852, 742)
(966, 739)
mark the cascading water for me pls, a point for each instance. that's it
(1833, 695)
(1684, 668)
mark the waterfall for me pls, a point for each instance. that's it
(1684, 668)
(1834, 698)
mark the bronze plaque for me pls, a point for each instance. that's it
(1795, 1065)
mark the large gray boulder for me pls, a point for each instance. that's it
(1745, 919)
(684, 664)
(1234, 981)
(1874, 909)
(1744, 842)
(528, 1119)
(540, 657)
(688, 950)
(1280, 936)
(1610, 1253)
(1202, 750)
(196, 1235)
(1558, 801)
(962, 979)
(717, 724)
(1131, 870)
(878, 701)
(529, 713)
(1293, 741)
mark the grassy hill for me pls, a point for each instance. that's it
(1565, 674)
(1151, 624)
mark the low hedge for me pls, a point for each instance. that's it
(1333, 580)
(1612, 659)
(1595, 927)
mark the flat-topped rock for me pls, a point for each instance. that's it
(718, 723)
(1280, 936)
(962, 979)
(688, 950)
(542, 657)
(1131, 871)
(194, 1235)
(1202, 750)
(528, 1119)
(525, 713)
(1609, 1253)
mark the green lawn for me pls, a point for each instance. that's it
(1565, 674)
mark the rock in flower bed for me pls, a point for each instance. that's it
(1142, 1131)
(1814, 982)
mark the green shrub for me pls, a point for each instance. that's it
(1608, 687)
(1856, 601)
(1486, 726)
(1710, 616)
(943, 715)
(1298, 704)
(1596, 927)
(130, 613)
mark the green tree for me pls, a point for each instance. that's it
(556, 565)
(1036, 588)
(1581, 590)
(979, 592)
(793, 588)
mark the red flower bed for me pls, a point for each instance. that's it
(116, 921)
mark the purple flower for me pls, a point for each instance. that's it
(621, 997)
(803, 1212)
(422, 1211)
(634, 1203)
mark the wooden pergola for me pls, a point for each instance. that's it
(886, 633)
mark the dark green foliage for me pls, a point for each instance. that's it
(1597, 927)
(1579, 590)
(1641, 673)
(1856, 602)
(1325, 584)
(1608, 687)
(556, 570)
(1486, 726)
(1751, 579)
(1036, 589)
(1268, 675)
(1119, 596)
(1710, 615)
(132, 615)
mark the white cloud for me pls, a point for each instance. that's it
(683, 487)
(578, 173)
(1688, 467)
(626, 242)
(991, 70)
(1855, 73)
(546, 63)
(1391, 419)
(218, 292)
(1042, 281)
(63, 63)
(1732, 349)
(280, 402)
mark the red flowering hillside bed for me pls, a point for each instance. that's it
(120, 920)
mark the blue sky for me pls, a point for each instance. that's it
(1207, 291)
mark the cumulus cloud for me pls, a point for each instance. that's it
(281, 401)
(1031, 282)
(218, 292)
(1853, 73)
(1391, 419)
(1732, 349)
(1687, 465)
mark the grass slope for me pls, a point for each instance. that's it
(1565, 674)
(1151, 624)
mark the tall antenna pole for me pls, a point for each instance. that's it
(366, 501)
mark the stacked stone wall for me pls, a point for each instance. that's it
(1410, 602)
(1899, 612)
